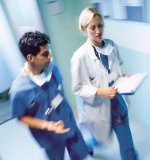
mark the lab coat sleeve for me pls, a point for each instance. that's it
(81, 85)
(117, 54)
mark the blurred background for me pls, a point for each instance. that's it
(126, 22)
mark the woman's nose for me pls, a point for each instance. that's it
(97, 30)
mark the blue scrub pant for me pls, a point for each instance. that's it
(75, 145)
(122, 130)
(120, 124)
(123, 133)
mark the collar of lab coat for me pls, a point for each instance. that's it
(92, 52)
(106, 49)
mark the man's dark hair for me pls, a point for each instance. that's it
(31, 42)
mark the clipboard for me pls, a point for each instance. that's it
(128, 85)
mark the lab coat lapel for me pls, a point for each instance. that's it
(90, 50)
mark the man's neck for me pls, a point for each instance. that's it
(31, 70)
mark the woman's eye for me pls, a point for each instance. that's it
(92, 28)
(100, 26)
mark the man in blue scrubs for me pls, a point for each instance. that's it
(37, 99)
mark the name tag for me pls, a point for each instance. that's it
(54, 103)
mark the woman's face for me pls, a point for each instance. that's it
(94, 31)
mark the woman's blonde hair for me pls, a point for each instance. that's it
(86, 16)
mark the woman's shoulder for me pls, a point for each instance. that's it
(109, 41)
(81, 51)
(83, 47)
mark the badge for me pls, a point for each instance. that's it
(54, 103)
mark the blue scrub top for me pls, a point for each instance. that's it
(27, 98)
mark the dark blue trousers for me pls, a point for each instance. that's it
(120, 124)
(75, 145)
(125, 140)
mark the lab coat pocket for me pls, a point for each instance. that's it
(95, 81)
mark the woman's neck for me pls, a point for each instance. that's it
(100, 45)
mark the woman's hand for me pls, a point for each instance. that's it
(108, 92)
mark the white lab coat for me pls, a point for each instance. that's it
(88, 74)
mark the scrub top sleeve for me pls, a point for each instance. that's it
(17, 106)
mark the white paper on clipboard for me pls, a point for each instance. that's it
(129, 85)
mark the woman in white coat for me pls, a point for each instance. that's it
(94, 68)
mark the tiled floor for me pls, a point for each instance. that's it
(16, 143)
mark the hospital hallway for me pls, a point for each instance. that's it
(16, 143)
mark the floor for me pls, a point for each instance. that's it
(4, 111)
(16, 143)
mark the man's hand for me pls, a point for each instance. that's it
(57, 127)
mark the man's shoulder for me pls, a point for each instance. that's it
(53, 65)
(20, 85)
(82, 47)
(55, 72)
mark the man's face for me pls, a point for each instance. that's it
(42, 59)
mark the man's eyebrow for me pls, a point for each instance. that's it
(45, 53)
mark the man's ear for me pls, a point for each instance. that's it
(29, 57)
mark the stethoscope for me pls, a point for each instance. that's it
(103, 59)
